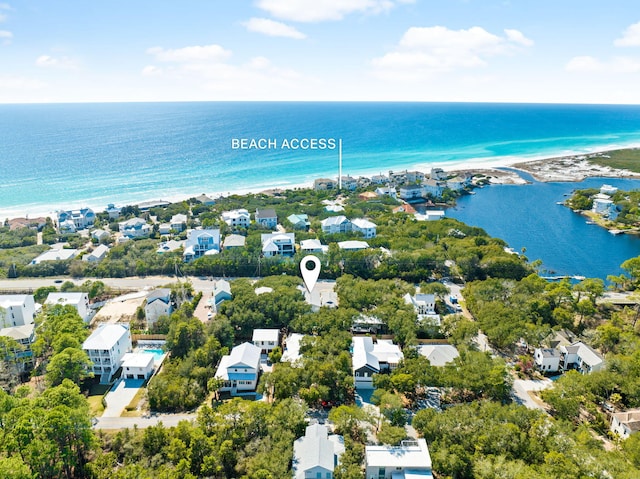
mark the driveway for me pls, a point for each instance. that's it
(523, 387)
(121, 394)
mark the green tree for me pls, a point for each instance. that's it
(70, 363)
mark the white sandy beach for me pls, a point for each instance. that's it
(572, 166)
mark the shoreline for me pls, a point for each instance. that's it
(572, 167)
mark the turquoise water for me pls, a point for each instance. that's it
(158, 354)
(63, 155)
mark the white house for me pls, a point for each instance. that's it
(322, 184)
(379, 179)
(364, 226)
(266, 218)
(547, 360)
(240, 369)
(608, 190)
(577, 356)
(349, 183)
(433, 187)
(137, 365)
(205, 200)
(352, 245)
(134, 228)
(438, 174)
(424, 305)
(625, 423)
(601, 204)
(237, 218)
(98, 254)
(282, 244)
(430, 215)
(456, 184)
(106, 347)
(387, 191)
(581, 357)
(158, 304)
(291, 353)
(200, 243)
(178, 222)
(168, 246)
(74, 220)
(57, 254)
(317, 453)
(410, 460)
(100, 235)
(80, 302)
(24, 335)
(371, 358)
(266, 339)
(336, 224)
(313, 246)
(113, 211)
(438, 354)
(16, 310)
(411, 192)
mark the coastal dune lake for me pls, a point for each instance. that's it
(527, 216)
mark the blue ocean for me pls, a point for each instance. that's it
(58, 155)
(68, 155)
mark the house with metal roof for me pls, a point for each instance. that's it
(438, 354)
(364, 227)
(158, 304)
(240, 369)
(410, 460)
(278, 244)
(336, 224)
(317, 453)
(371, 357)
(106, 347)
(201, 242)
(79, 301)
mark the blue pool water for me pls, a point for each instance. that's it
(158, 354)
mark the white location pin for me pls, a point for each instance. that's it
(310, 272)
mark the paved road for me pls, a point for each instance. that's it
(168, 420)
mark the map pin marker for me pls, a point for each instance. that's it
(310, 272)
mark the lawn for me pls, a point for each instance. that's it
(96, 393)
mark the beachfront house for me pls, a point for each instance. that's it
(625, 423)
(365, 227)
(134, 228)
(266, 339)
(55, 254)
(349, 183)
(433, 188)
(79, 302)
(71, 221)
(16, 310)
(322, 184)
(205, 200)
(113, 211)
(438, 174)
(411, 192)
(158, 303)
(299, 221)
(430, 215)
(409, 460)
(266, 218)
(608, 190)
(336, 224)
(239, 218)
(201, 242)
(239, 370)
(106, 347)
(317, 453)
(278, 244)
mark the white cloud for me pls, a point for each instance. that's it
(630, 37)
(323, 10)
(516, 36)
(273, 28)
(190, 54)
(65, 63)
(588, 64)
(151, 70)
(6, 36)
(427, 50)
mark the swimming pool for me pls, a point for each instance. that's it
(158, 354)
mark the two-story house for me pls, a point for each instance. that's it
(282, 244)
(266, 218)
(239, 218)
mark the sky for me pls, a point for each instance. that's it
(551, 51)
